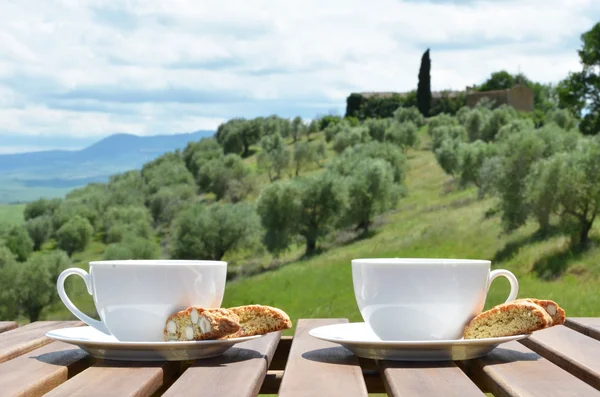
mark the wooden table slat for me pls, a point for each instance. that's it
(41, 370)
(319, 368)
(570, 350)
(239, 372)
(426, 379)
(513, 370)
(7, 326)
(117, 378)
(29, 337)
(589, 326)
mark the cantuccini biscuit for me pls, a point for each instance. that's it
(259, 320)
(197, 323)
(512, 318)
(552, 308)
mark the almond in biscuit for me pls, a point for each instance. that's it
(552, 308)
(197, 323)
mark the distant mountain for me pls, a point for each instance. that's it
(65, 169)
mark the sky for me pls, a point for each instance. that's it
(74, 71)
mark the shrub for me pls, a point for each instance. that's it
(274, 157)
(447, 155)
(279, 209)
(471, 157)
(74, 235)
(39, 230)
(377, 128)
(403, 135)
(497, 119)
(211, 232)
(40, 207)
(309, 207)
(454, 132)
(409, 114)
(371, 191)
(219, 175)
(441, 119)
(19, 243)
(132, 247)
(344, 164)
(350, 138)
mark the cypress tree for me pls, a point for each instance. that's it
(424, 87)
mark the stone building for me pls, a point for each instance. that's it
(519, 97)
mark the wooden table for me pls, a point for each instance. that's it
(559, 361)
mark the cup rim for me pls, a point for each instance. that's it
(159, 262)
(419, 261)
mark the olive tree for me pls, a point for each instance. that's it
(131, 246)
(304, 155)
(474, 122)
(19, 242)
(518, 153)
(442, 119)
(409, 114)
(371, 191)
(349, 138)
(39, 230)
(297, 128)
(127, 220)
(222, 176)
(40, 207)
(563, 118)
(377, 128)
(323, 202)
(312, 128)
(9, 272)
(74, 235)
(197, 153)
(211, 232)
(447, 155)
(496, 120)
(279, 209)
(345, 164)
(126, 189)
(274, 157)
(34, 287)
(568, 183)
(471, 157)
(310, 208)
(237, 135)
(402, 134)
(439, 134)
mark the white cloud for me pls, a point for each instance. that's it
(85, 68)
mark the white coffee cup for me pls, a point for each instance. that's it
(407, 299)
(134, 297)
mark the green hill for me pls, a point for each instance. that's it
(435, 219)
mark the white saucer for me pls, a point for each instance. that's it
(103, 346)
(362, 341)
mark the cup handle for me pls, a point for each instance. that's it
(514, 284)
(60, 286)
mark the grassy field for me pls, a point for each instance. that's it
(11, 214)
(13, 191)
(434, 220)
